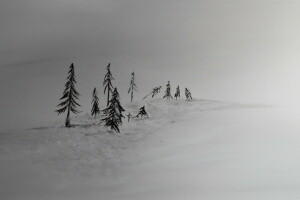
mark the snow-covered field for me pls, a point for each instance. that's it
(204, 149)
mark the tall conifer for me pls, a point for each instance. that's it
(70, 95)
(107, 82)
(113, 113)
(168, 91)
(177, 94)
(132, 86)
(188, 95)
(95, 104)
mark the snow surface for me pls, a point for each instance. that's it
(203, 149)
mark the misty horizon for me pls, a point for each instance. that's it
(241, 51)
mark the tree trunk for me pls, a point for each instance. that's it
(67, 124)
(131, 95)
(107, 97)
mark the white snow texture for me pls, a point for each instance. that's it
(203, 149)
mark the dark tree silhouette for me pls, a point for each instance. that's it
(129, 116)
(168, 91)
(188, 95)
(113, 113)
(154, 92)
(132, 86)
(107, 82)
(70, 95)
(142, 112)
(177, 94)
(95, 104)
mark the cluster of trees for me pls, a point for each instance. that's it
(113, 113)
(168, 94)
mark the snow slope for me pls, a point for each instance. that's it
(186, 150)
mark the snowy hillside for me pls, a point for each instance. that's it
(186, 150)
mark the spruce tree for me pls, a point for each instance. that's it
(188, 95)
(168, 91)
(177, 94)
(95, 104)
(142, 112)
(154, 92)
(132, 86)
(70, 95)
(107, 82)
(113, 113)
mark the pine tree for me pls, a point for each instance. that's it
(168, 91)
(142, 112)
(154, 92)
(132, 86)
(70, 95)
(113, 113)
(177, 94)
(95, 104)
(107, 82)
(188, 95)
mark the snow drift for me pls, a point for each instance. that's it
(186, 150)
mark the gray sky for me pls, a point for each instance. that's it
(238, 50)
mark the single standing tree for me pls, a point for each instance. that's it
(107, 82)
(132, 86)
(177, 94)
(113, 113)
(70, 95)
(142, 112)
(153, 92)
(95, 104)
(129, 116)
(168, 91)
(188, 95)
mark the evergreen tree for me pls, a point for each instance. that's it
(113, 113)
(107, 82)
(154, 92)
(142, 112)
(70, 95)
(177, 94)
(168, 91)
(95, 104)
(188, 94)
(132, 86)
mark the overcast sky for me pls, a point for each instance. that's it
(237, 50)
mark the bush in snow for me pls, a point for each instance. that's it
(154, 92)
(129, 116)
(142, 112)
